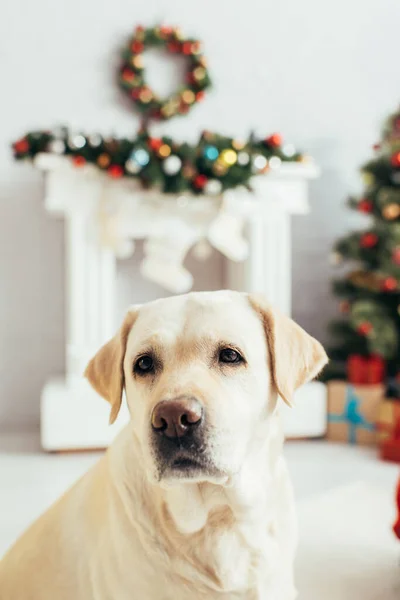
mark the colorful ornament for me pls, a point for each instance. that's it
(213, 187)
(155, 143)
(79, 161)
(368, 240)
(228, 157)
(115, 171)
(365, 206)
(274, 162)
(76, 142)
(396, 256)
(21, 146)
(365, 328)
(391, 211)
(289, 150)
(104, 160)
(94, 140)
(389, 284)
(172, 165)
(395, 159)
(56, 147)
(164, 150)
(200, 181)
(335, 258)
(260, 163)
(274, 140)
(243, 158)
(211, 152)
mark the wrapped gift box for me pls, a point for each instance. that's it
(353, 411)
(388, 427)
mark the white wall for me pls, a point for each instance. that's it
(322, 73)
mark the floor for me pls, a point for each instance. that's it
(345, 499)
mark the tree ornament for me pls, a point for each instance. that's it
(289, 150)
(260, 163)
(238, 144)
(389, 284)
(132, 73)
(365, 328)
(220, 168)
(391, 211)
(164, 150)
(76, 142)
(396, 256)
(94, 140)
(335, 258)
(228, 157)
(56, 147)
(243, 158)
(115, 171)
(274, 162)
(213, 187)
(21, 146)
(368, 178)
(274, 140)
(172, 165)
(211, 152)
(369, 240)
(365, 206)
(79, 161)
(104, 160)
(200, 181)
(395, 159)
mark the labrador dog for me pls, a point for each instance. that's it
(192, 501)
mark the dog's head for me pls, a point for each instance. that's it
(202, 374)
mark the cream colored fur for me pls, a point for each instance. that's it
(124, 532)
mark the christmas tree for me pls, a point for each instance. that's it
(370, 289)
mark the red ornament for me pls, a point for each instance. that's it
(184, 108)
(395, 160)
(136, 93)
(368, 240)
(376, 147)
(190, 78)
(396, 256)
(389, 284)
(128, 75)
(174, 47)
(155, 143)
(274, 140)
(187, 48)
(21, 146)
(165, 31)
(137, 47)
(115, 171)
(364, 328)
(396, 527)
(365, 206)
(200, 96)
(397, 123)
(139, 29)
(200, 181)
(79, 161)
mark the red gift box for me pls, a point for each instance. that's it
(396, 526)
(365, 370)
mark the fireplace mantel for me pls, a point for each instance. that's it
(101, 222)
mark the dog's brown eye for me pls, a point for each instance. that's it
(227, 355)
(144, 364)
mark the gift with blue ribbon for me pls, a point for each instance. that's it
(352, 412)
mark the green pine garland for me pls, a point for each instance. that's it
(213, 165)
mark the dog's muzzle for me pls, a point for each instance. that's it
(179, 431)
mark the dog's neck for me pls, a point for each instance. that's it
(225, 523)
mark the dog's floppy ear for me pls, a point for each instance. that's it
(295, 356)
(105, 371)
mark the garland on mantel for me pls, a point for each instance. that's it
(213, 165)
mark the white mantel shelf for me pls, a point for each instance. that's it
(103, 217)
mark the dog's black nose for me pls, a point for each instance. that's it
(176, 418)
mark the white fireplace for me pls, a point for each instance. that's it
(103, 217)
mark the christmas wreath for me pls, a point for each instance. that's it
(132, 75)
